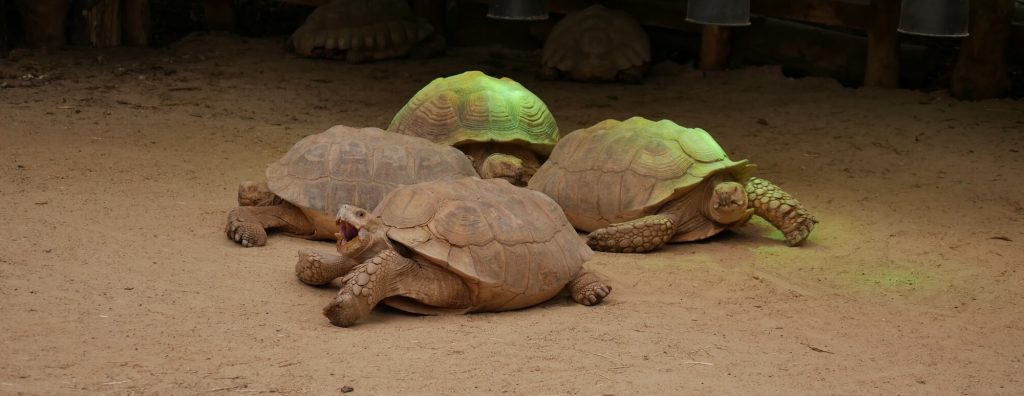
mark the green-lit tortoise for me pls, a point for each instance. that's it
(638, 184)
(502, 126)
(342, 165)
(365, 30)
(454, 246)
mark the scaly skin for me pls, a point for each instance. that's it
(389, 274)
(636, 236)
(257, 194)
(780, 209)
(320, 269)
(247, 225)
(588, 289)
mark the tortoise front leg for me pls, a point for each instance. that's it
(636, 236)
(247, 225)
(588, 288)
(318, 269)
(780, 209)
(389, 274)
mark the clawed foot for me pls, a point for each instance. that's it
(592, 294)
(245, 233)
(801, 230)
(355, 299)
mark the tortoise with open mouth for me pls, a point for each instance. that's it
(342, 165)
(454, 246)
(638, 184)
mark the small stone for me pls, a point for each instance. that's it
(356, 290)
(362, 278)
(346, 389)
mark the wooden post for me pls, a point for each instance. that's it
(980, 70)
(137, 23)
(714, 47)
(220, 14)
(104, 22)
(883, 64)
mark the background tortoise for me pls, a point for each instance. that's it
(456, 246)
(505, 128)
(365, 30)
(596, 44)
(638, 184)
(323, 171)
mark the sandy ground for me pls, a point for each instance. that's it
(119, 167)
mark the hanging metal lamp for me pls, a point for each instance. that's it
(937, 18)
(520, 10)
(718, 12)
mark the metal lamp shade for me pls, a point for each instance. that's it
(719, 12)
(517, 9)
(938, 18)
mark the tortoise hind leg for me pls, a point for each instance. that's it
(588, 288)
(780, 209)
(636, 236)
(427, 289)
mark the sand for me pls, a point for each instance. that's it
(119, 167)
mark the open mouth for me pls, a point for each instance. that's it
(346, 232)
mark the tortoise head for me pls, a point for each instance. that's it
(728, 203)
(361, 235)
(504, 166)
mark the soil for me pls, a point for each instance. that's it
(119, 167)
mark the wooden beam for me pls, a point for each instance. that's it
(883, 63)
(825, 12)
(714, 47)
(104, 23)
(137, 22)
(981, 70)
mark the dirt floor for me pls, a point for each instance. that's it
(119, 167)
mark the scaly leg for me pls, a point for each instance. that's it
(588, 288)
(636, 236)
(317, 269)
(780, 209)
(247, 225)
(389, 274)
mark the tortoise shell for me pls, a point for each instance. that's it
(473, 107)
(382, 28)
(596, 43)
(358, 166)
(513, 247)
(619, 171)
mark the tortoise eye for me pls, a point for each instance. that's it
(360, 213)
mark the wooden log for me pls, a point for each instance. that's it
(103, 20)
(714, 47)
(981, 70)
(883, 64)
(137, 23)
(220, 14)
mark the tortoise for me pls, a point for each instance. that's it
(365, 30)
(504, 127)
(638, 184)
(338, 166)
(454, 246)
(596, 44)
